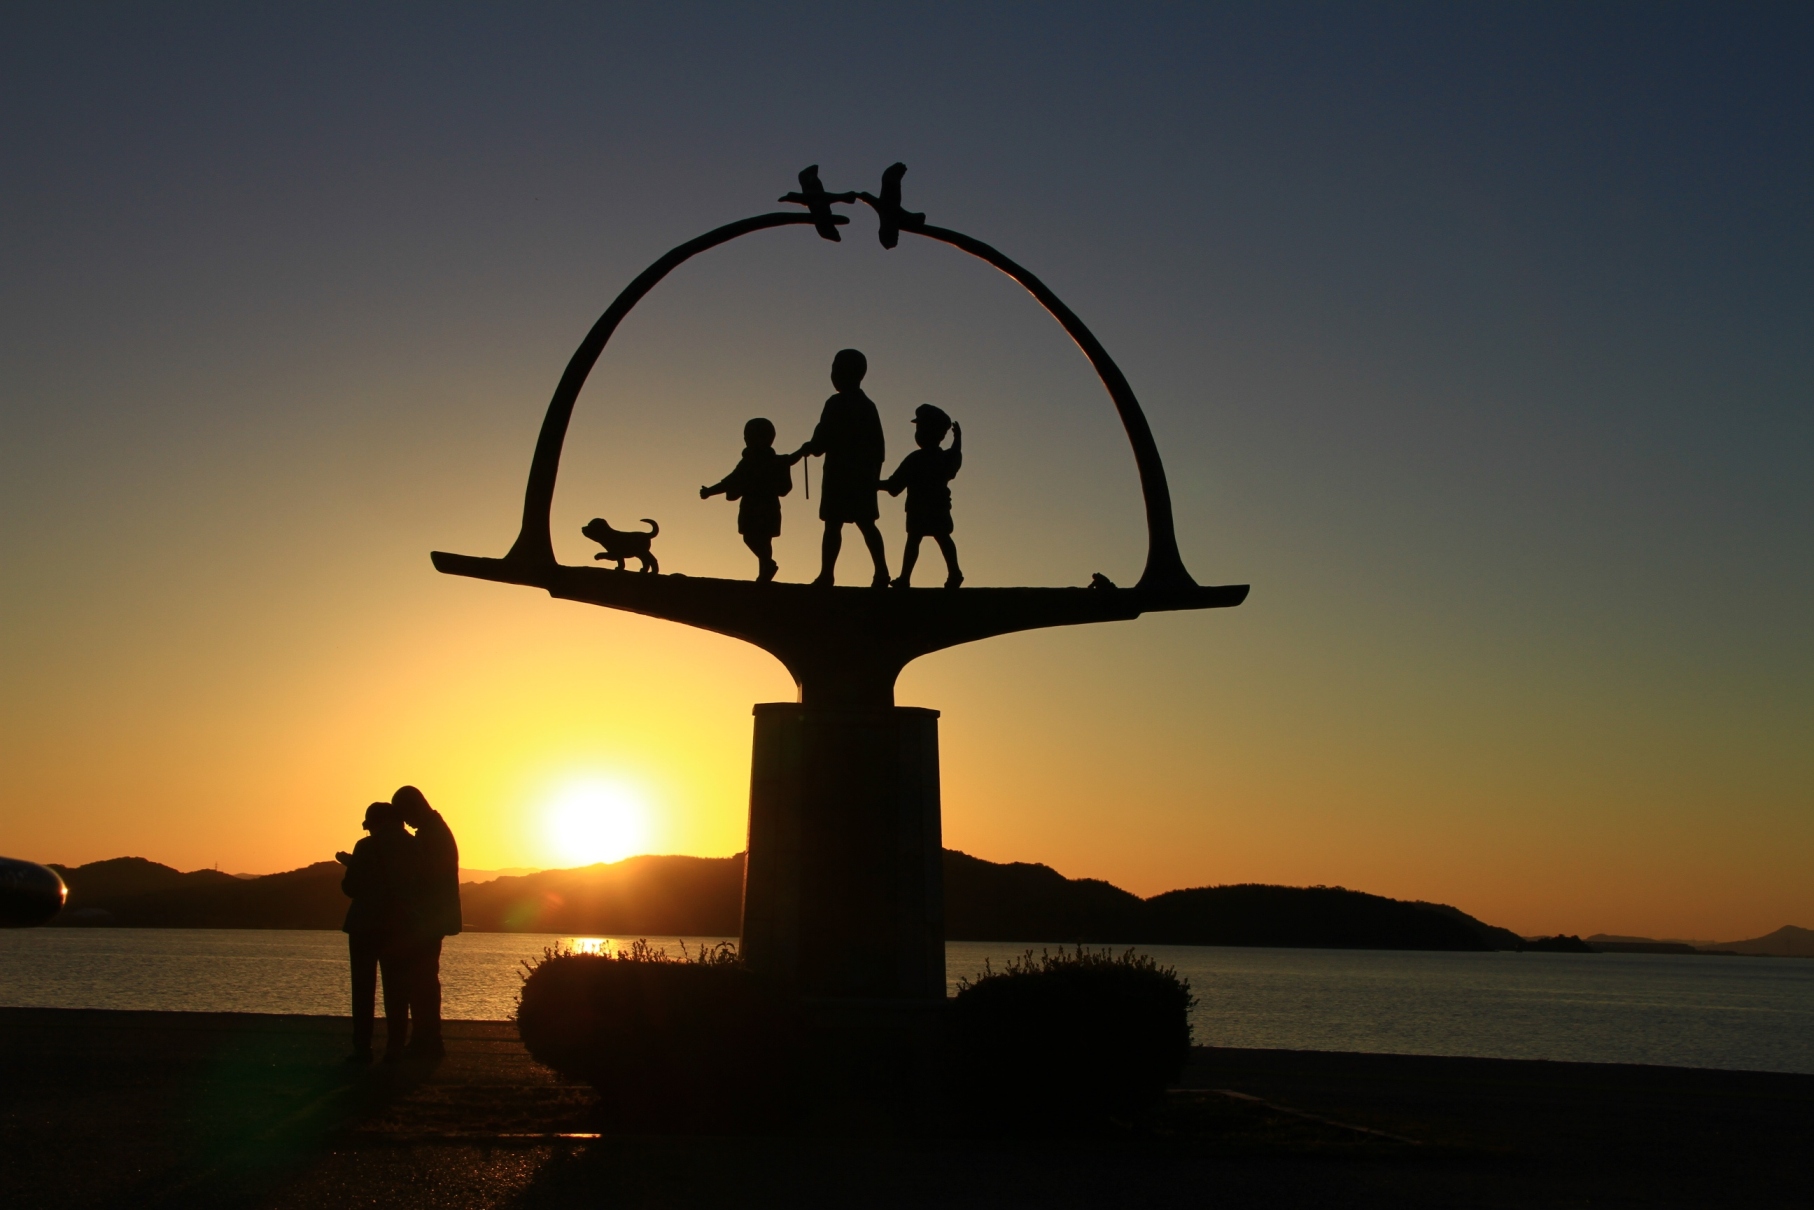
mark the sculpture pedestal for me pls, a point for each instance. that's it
(843, 887)
(844, 903)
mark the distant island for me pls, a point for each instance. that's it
(702, 897)
(1561, 943)
(1786, 942)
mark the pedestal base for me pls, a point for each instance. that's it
(843, 890)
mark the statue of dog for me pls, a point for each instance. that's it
(621, 544)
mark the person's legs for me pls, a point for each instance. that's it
(363, 953)
(954, 575)
(394, 963)
(878, 554)
(828, 551)
(763, 547)
(910, 554)
(425, 996)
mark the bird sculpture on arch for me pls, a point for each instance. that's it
(843, 646)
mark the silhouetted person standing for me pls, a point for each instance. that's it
(926, 475)
(849, 435)
(759, 481)
(383, 879)
(437, 914)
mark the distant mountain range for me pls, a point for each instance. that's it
(701, 896)
(135, 893)
(986, 901)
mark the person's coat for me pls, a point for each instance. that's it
(441, 876)
(385, 881)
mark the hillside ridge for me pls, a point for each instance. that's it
(702, 896)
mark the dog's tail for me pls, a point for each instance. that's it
(653, 528)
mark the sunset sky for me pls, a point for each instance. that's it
(1478, 339)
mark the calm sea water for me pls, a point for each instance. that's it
(1742, 1013)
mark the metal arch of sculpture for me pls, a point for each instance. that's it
(844, 646)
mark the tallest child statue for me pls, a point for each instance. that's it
(849, 435)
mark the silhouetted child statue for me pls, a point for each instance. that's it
(849, 434)
(760, 480)
(926, 475)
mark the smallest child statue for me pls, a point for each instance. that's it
(760, 480)
(926, 475)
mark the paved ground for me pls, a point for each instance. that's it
(103, 1109)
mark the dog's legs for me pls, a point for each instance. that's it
(649, 564)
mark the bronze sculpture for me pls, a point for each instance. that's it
(843, 903)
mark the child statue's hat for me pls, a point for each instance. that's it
(926, 413)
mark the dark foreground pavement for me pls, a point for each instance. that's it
(103, 1109)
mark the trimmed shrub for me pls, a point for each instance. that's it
(1067, 1040)
(688, 1043)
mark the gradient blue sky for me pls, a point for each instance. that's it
(1477, 338)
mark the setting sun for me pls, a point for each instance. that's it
(596, 820)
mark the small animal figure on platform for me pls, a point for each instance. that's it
(621, 544)
(760, 479)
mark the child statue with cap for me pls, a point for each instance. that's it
(926, 476)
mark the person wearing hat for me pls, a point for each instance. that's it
(849, 435)
(926, 476)
(383, 879)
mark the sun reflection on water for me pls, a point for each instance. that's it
(589, 945)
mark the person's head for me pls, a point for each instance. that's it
(412, 806)
(930, 424)
(759, 434)
(847, 370)
(383, 817)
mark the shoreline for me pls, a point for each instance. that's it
(249, 1022)
(1615, 950)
